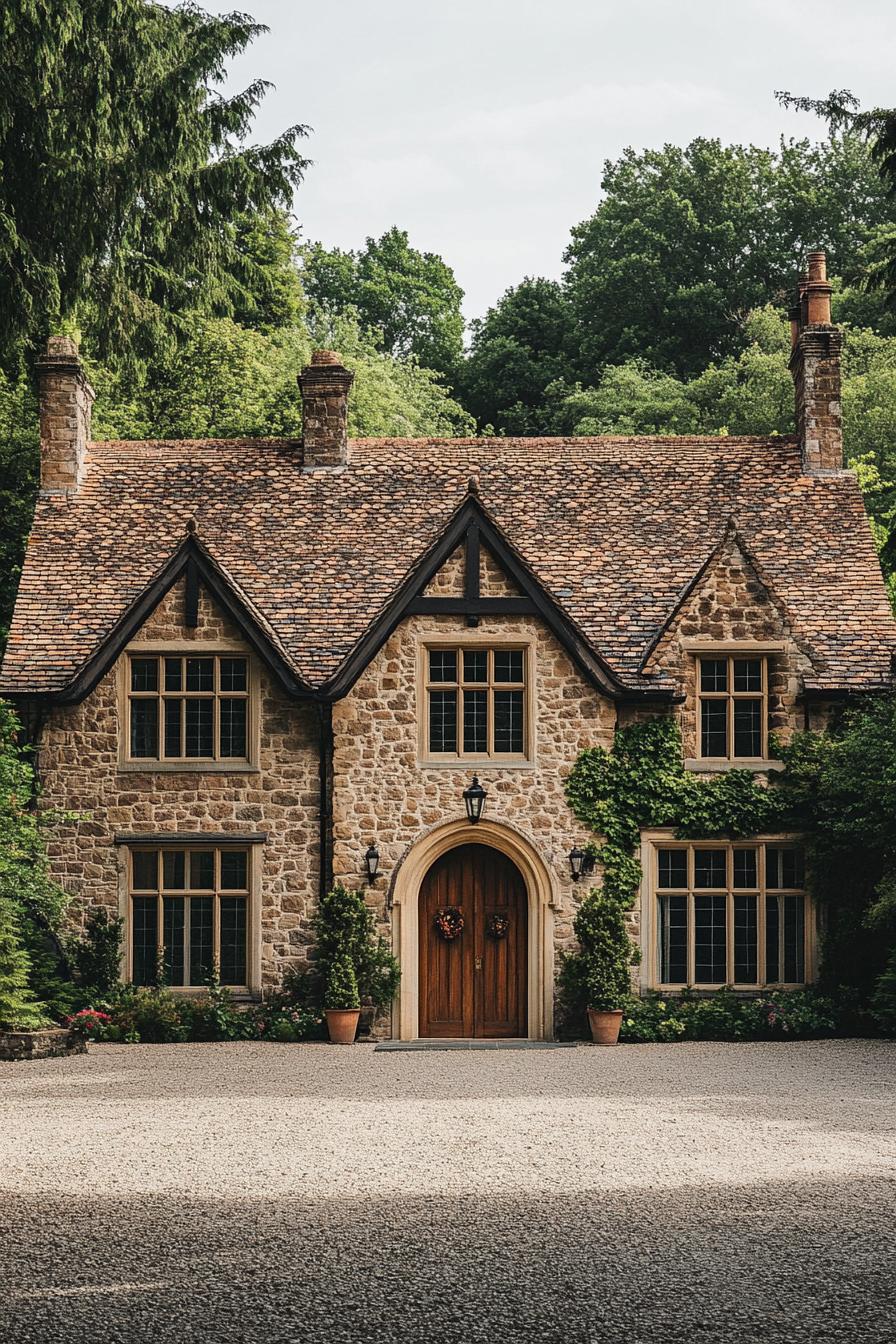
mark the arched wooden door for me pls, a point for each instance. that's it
(474, 984)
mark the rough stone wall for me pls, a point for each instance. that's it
(732, 603)
(383, 795)
(78, 764)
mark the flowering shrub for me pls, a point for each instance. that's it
(89, 1022)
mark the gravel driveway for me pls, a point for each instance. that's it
(301, 1193)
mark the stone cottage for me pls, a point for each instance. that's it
(256, 667)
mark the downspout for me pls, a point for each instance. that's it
(325, 795)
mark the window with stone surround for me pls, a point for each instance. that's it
(476, 702)
(189, 907)
(730, 914)
(187, 708)
(733, 707)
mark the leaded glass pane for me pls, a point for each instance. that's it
(144, 913)
(173, 674)
(234, 674)
(714, 727)
(173, 932)
(234, 870)
(794, 939)
(145, 869)
(443, 721)
(508, 664)
(748, 727)
(144, 674)
(509, 722)
(233, 727)
(713, 674)
(746, 871)
(202, 870)
(745, 933)
(200, 674)
(673, 935)
(201, 931)
(772, 936)
(233, 940)
(710, 868)
(673, 867)
(145, 728)
(476, 722)
(199, 725)
(442, 665)
(783, 867)
(174, 869)
(173, 717)
(748, 674)
(710, 940)
(475, 665)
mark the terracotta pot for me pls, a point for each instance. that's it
(342, 1023)
(605, 1026)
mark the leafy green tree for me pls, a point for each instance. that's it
(127, 177)
(227, 381)
(409, 298)
(843, 787)
(518, 349)
(686, 242)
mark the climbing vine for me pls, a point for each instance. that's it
(641, 782)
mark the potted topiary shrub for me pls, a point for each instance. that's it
(342, 1002)
(597, 977)
(345, 929)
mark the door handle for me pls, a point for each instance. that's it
(477, 964)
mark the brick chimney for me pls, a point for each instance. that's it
(324, 385)
(65, 400)
(815, 366)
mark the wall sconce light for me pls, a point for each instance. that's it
(577, 861)
(372, 864)
(474, 800)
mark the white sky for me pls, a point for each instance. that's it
(481, 126)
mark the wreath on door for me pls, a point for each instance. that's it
(449, 922)
(497, 926)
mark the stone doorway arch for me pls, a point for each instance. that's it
(542, 895)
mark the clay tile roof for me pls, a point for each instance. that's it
(613, 528)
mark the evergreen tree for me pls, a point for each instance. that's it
(127, 176)
(19, 1010)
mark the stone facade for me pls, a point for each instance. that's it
(384, 790)
(80, 771)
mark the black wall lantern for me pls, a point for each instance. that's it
(577, 861)
(372, 864)
(474, 800)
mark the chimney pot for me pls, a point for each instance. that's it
(325, 384)
(65, 400)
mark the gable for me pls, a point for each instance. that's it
(728, 601)
(494, 581)
(171, 620)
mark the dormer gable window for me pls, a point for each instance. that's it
(732, 692)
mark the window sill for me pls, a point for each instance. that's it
(154, 767)
(474, 765)
(705, 766)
